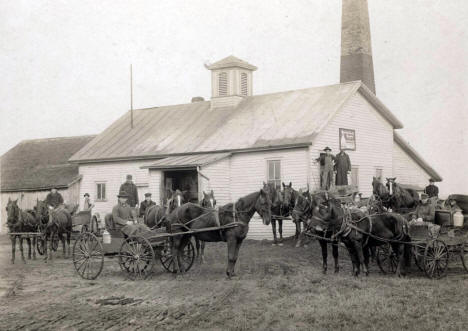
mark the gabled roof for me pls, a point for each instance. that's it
(231, 61)
(187, 161)
(268, 121)
(416, 157)
(40, 164)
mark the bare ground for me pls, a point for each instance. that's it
(278, 288)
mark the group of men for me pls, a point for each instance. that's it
(330, 164)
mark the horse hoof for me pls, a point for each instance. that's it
(324, 271)
(280, 244)
(12, 261)
(274, 244)
(337, 270)
(305, 246)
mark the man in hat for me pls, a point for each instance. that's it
(87, 204)
(425, 210)
(342, 167)
(326, 168)
(144, 205)
(54, 198)
(131, 190)
(432, 190)
(122, 218)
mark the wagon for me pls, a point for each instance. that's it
(432, 252)
(136, 255)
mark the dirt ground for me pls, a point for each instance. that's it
(277, 288)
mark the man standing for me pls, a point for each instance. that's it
(144, 205)
(326, 168)
(121, 217)
(87, 204)
(342, 168)
(432, 190)
(132, 192)
(54, 198)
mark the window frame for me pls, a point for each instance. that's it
(276, 181)
(379, 169)
(99, 197)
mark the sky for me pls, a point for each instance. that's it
(64, 65)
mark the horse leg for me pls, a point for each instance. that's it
(34, 242)
(197, 246)
(273, 228)
(296, 235)
(360, 257)
(233, 252)
(13, 249)
(202, 246)
(28, 241)
(401, 256)
(299, 239)
(366, 252)
(280, 230)
(44, 246)
(21, 249)
(353, 256)
(51, 239)
(68, 243)
(335, 256)
(183, 242)
(323, 245)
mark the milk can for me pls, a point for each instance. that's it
(458, 219)
(106, 237)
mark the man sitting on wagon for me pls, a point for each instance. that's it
(144, 205)
(425, 210)
(122, 218)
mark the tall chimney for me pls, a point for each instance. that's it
(356, 49)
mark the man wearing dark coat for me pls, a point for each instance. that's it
(432, 190)
(130, 188)
(122, 217)
(54, 198)
(326, 168)
(342, 168)
(144, 205)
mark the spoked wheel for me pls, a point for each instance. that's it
(186, 258)
(387, 260)
(436, 258)
(418, 254)
(88, 256)
(136, 257)
(464, 255)
(55, 243)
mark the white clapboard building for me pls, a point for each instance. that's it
(236, 141)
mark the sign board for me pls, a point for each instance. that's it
(347, 139)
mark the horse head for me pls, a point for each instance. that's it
(208, 200)
(263, 206)
(42, 212)
(13, 212)
(391, 185)
(289, 196)
(177, 199)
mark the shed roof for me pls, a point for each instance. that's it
(274, 120)
(40, 164)
(187, 161)
(416, 156)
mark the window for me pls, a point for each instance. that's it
(244, 89)
(379, 173)
(355, 176)
(100, 191)
(274, 172)
(222, 84)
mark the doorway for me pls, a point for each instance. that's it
(183, 180)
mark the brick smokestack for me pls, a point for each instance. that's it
(356, 49)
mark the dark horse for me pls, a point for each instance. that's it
(191, 217)
(311, 211)
(209, 202)
(279, 210)
(381, 196)
(155, 214)
(359, 233)
(21, 221)
(401, 197)
(55, 222)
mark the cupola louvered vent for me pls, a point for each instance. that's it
(244, 86)
(222, 84)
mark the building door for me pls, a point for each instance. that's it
(183, 180)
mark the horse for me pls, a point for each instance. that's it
(55, 222)
(311, 212)
(154, 215)
(20, 221)
(208, 201)
(279, 209)
(401, 197)
(361, 232)
(380, 192)
(191, 216)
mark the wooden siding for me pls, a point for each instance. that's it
(219, 180)
(406, 170)
(28, 199)
(155, 184)
(113, 174)
(249, 171)
(374, 142)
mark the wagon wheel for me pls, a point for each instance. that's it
(387, 260)
(187, 256)
(436, 258)
(55, 243)
(136, 257)
(88, 256)
(418, 254)
(464, 255)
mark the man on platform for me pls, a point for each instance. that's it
(326, 168)
(132, 191)
(342, 168)
(432, 190)
(144, 205)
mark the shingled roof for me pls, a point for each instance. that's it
(274, 120)
(40, 164)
